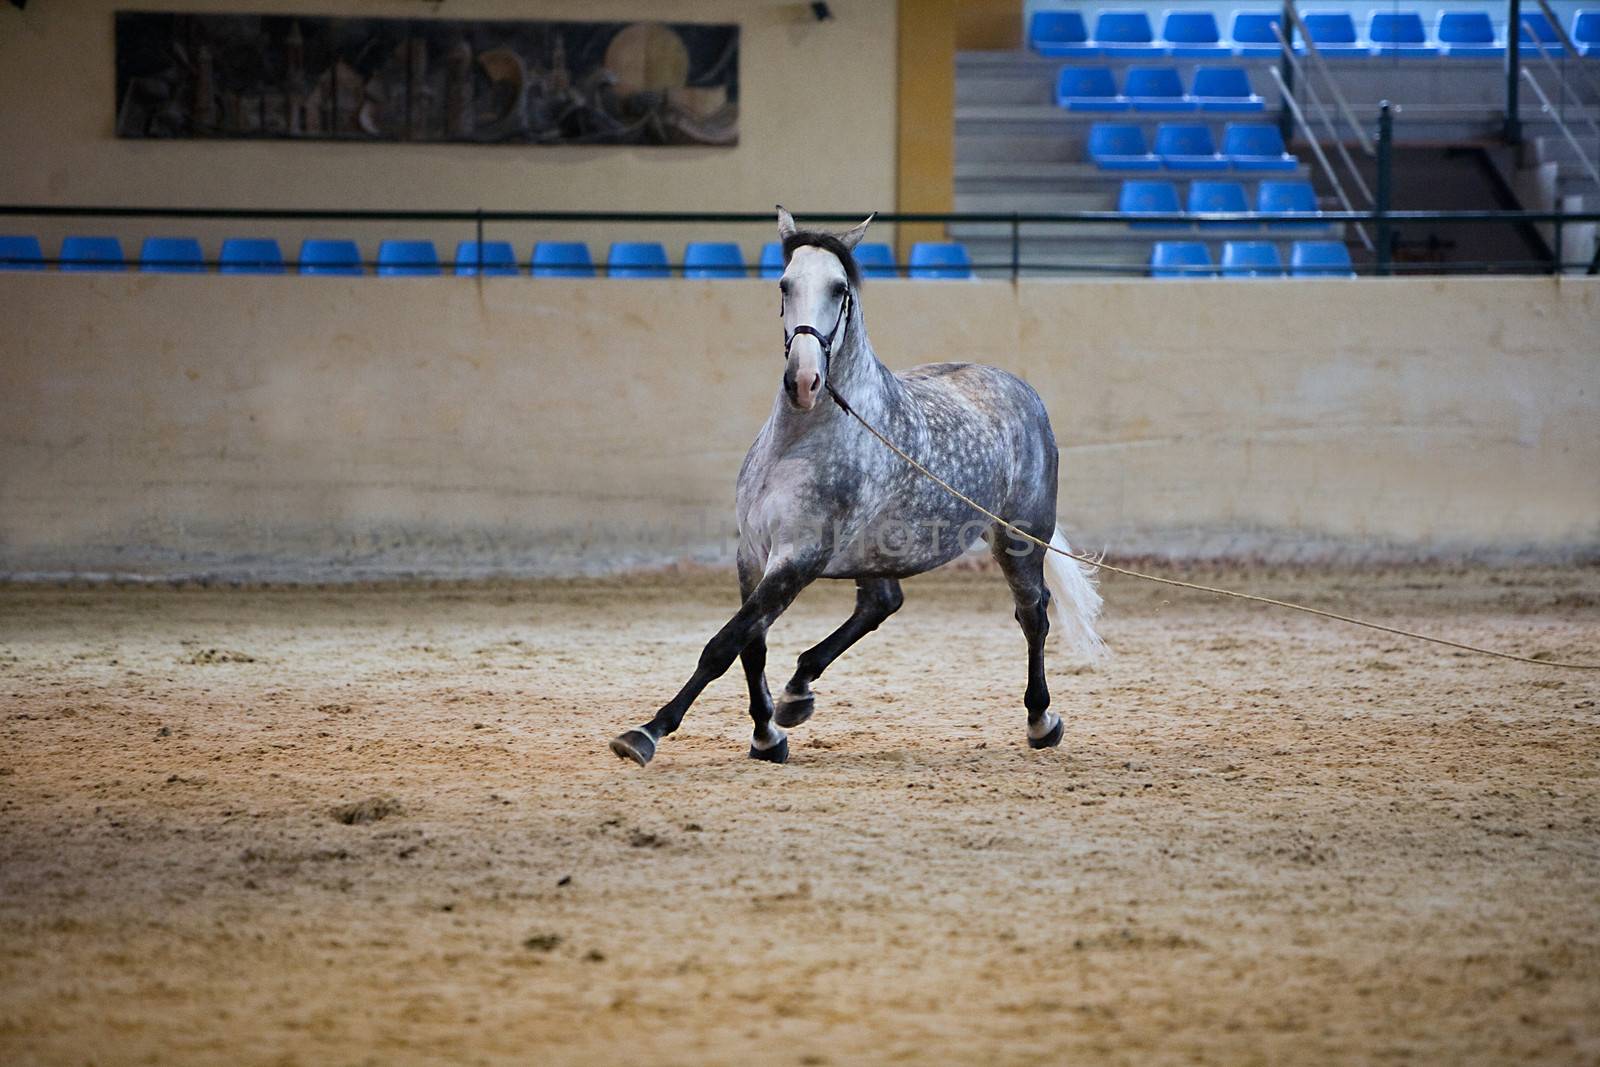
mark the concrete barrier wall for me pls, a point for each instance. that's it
(314, 427)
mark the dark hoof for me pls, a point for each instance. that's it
(792, 711)
(635, 745)
(778, 753)
(1051, 739)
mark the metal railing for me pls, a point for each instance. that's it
(1381, 217)
(1285, 33)
(1556, 111)
(1291, 76)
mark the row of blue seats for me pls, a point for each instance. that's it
(1250, 259)
(1254, 33)
(1272, 198)
(1185, 146)
(1156, 89)
(625, 259)
(1190, 146)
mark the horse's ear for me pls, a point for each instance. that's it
(853, 238)
(785, 224)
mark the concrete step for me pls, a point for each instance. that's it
(992, 259)
(997, 176)
(1554, 148)
(1022, 149)
(1110, 234)
(992, 76)
(1580, 195)
(1036, 202)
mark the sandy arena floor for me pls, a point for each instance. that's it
(381, 825)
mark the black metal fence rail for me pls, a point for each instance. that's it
(1382, 220)
(674, 217)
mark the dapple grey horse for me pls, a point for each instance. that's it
(819, 497)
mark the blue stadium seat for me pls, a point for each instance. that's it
(1117, 146)
(1399, 33)
(948, 259)
(496, 258)
(876, 261)
(396, 258)
(1192, 34)
(1256, 146)
(713, 259)
(1183, 146)
(1469, 34)
(1224, 89)
(1125, 33)
(1334, 34)
(1252, 33)
(251, 255)
(1181, 259)
(1536, 35)
(1059, 34)
(1251, 259)
(1088, 89)
(20, 252)
(171, 255)
(637, 259)
(1219, 196)
(1285, 198)
(1155, 89)
(1320, 258)
(562, 259)
(772, 259)
(329, 256)
(1586, 32)
(1141, 197)
(92, 254)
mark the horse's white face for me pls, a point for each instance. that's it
(814, 288)
(815, 292)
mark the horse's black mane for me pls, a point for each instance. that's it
(827, 242)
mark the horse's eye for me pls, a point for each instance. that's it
(838, 289)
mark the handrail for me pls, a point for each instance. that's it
(1590, 79)
(1333, 86)
(1311, 139)
(1563, 87)
(1563, 90)
(1566, 131)
(1327, 121)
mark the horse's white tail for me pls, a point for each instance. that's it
(1074, 601)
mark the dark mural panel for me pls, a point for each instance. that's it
(304, 78)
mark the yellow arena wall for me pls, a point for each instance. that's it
(320, 426)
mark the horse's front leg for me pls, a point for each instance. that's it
(767, 742)
(775, 591)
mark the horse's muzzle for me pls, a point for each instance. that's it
(803, 388)
(804, 370)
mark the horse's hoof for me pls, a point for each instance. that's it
(792, 711)
(778, 753)
(1051, 739)
(635, 745)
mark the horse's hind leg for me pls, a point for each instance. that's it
(1023, 566)
(876, 600)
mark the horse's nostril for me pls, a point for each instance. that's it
(816, 382)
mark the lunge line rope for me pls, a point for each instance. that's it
(1092, 562)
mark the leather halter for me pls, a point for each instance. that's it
(825, 341)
